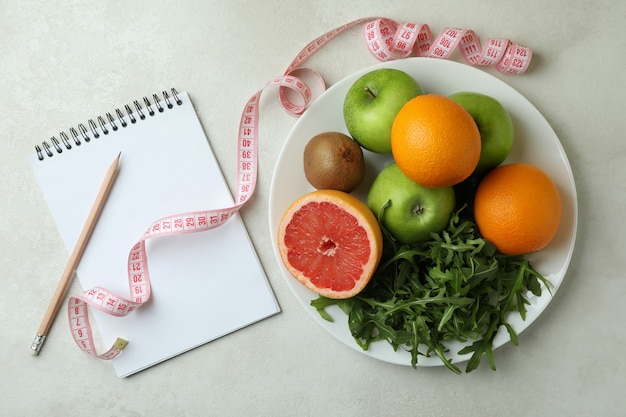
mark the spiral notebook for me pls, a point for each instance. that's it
(204, 285)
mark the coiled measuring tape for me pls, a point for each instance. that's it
(386, 40)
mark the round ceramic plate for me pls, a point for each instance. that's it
(535, 142)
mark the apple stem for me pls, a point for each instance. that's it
(367, 89)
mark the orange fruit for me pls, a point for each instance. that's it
(331, 242)
(517, 207)
(435, 141)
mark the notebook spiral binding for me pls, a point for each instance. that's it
(103, 125)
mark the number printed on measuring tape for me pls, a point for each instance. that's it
(386, 40)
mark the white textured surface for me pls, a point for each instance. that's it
(61, 64)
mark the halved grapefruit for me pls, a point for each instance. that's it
(331, 242)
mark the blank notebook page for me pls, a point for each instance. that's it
(205, 284)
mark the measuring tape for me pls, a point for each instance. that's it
(386, 40)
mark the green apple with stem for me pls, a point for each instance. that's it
(408, 211)
(372, 103)
(495, 126)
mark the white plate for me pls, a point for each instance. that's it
(535, 142)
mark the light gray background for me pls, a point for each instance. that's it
(64, 62)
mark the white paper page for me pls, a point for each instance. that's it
(205, 284)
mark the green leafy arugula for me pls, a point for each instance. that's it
(454, 287)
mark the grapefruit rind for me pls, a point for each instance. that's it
(365, 219)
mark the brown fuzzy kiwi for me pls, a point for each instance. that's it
(333, 160)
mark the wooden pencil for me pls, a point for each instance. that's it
(72, 264)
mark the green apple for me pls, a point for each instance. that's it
(495, 126)
(371, 105)
(412, 212)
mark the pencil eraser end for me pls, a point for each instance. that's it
(35, 347)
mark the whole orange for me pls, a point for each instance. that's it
(435, 141)
(517, 207)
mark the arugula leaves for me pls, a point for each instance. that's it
(456, 286)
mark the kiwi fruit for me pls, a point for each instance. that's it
(333, 160)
